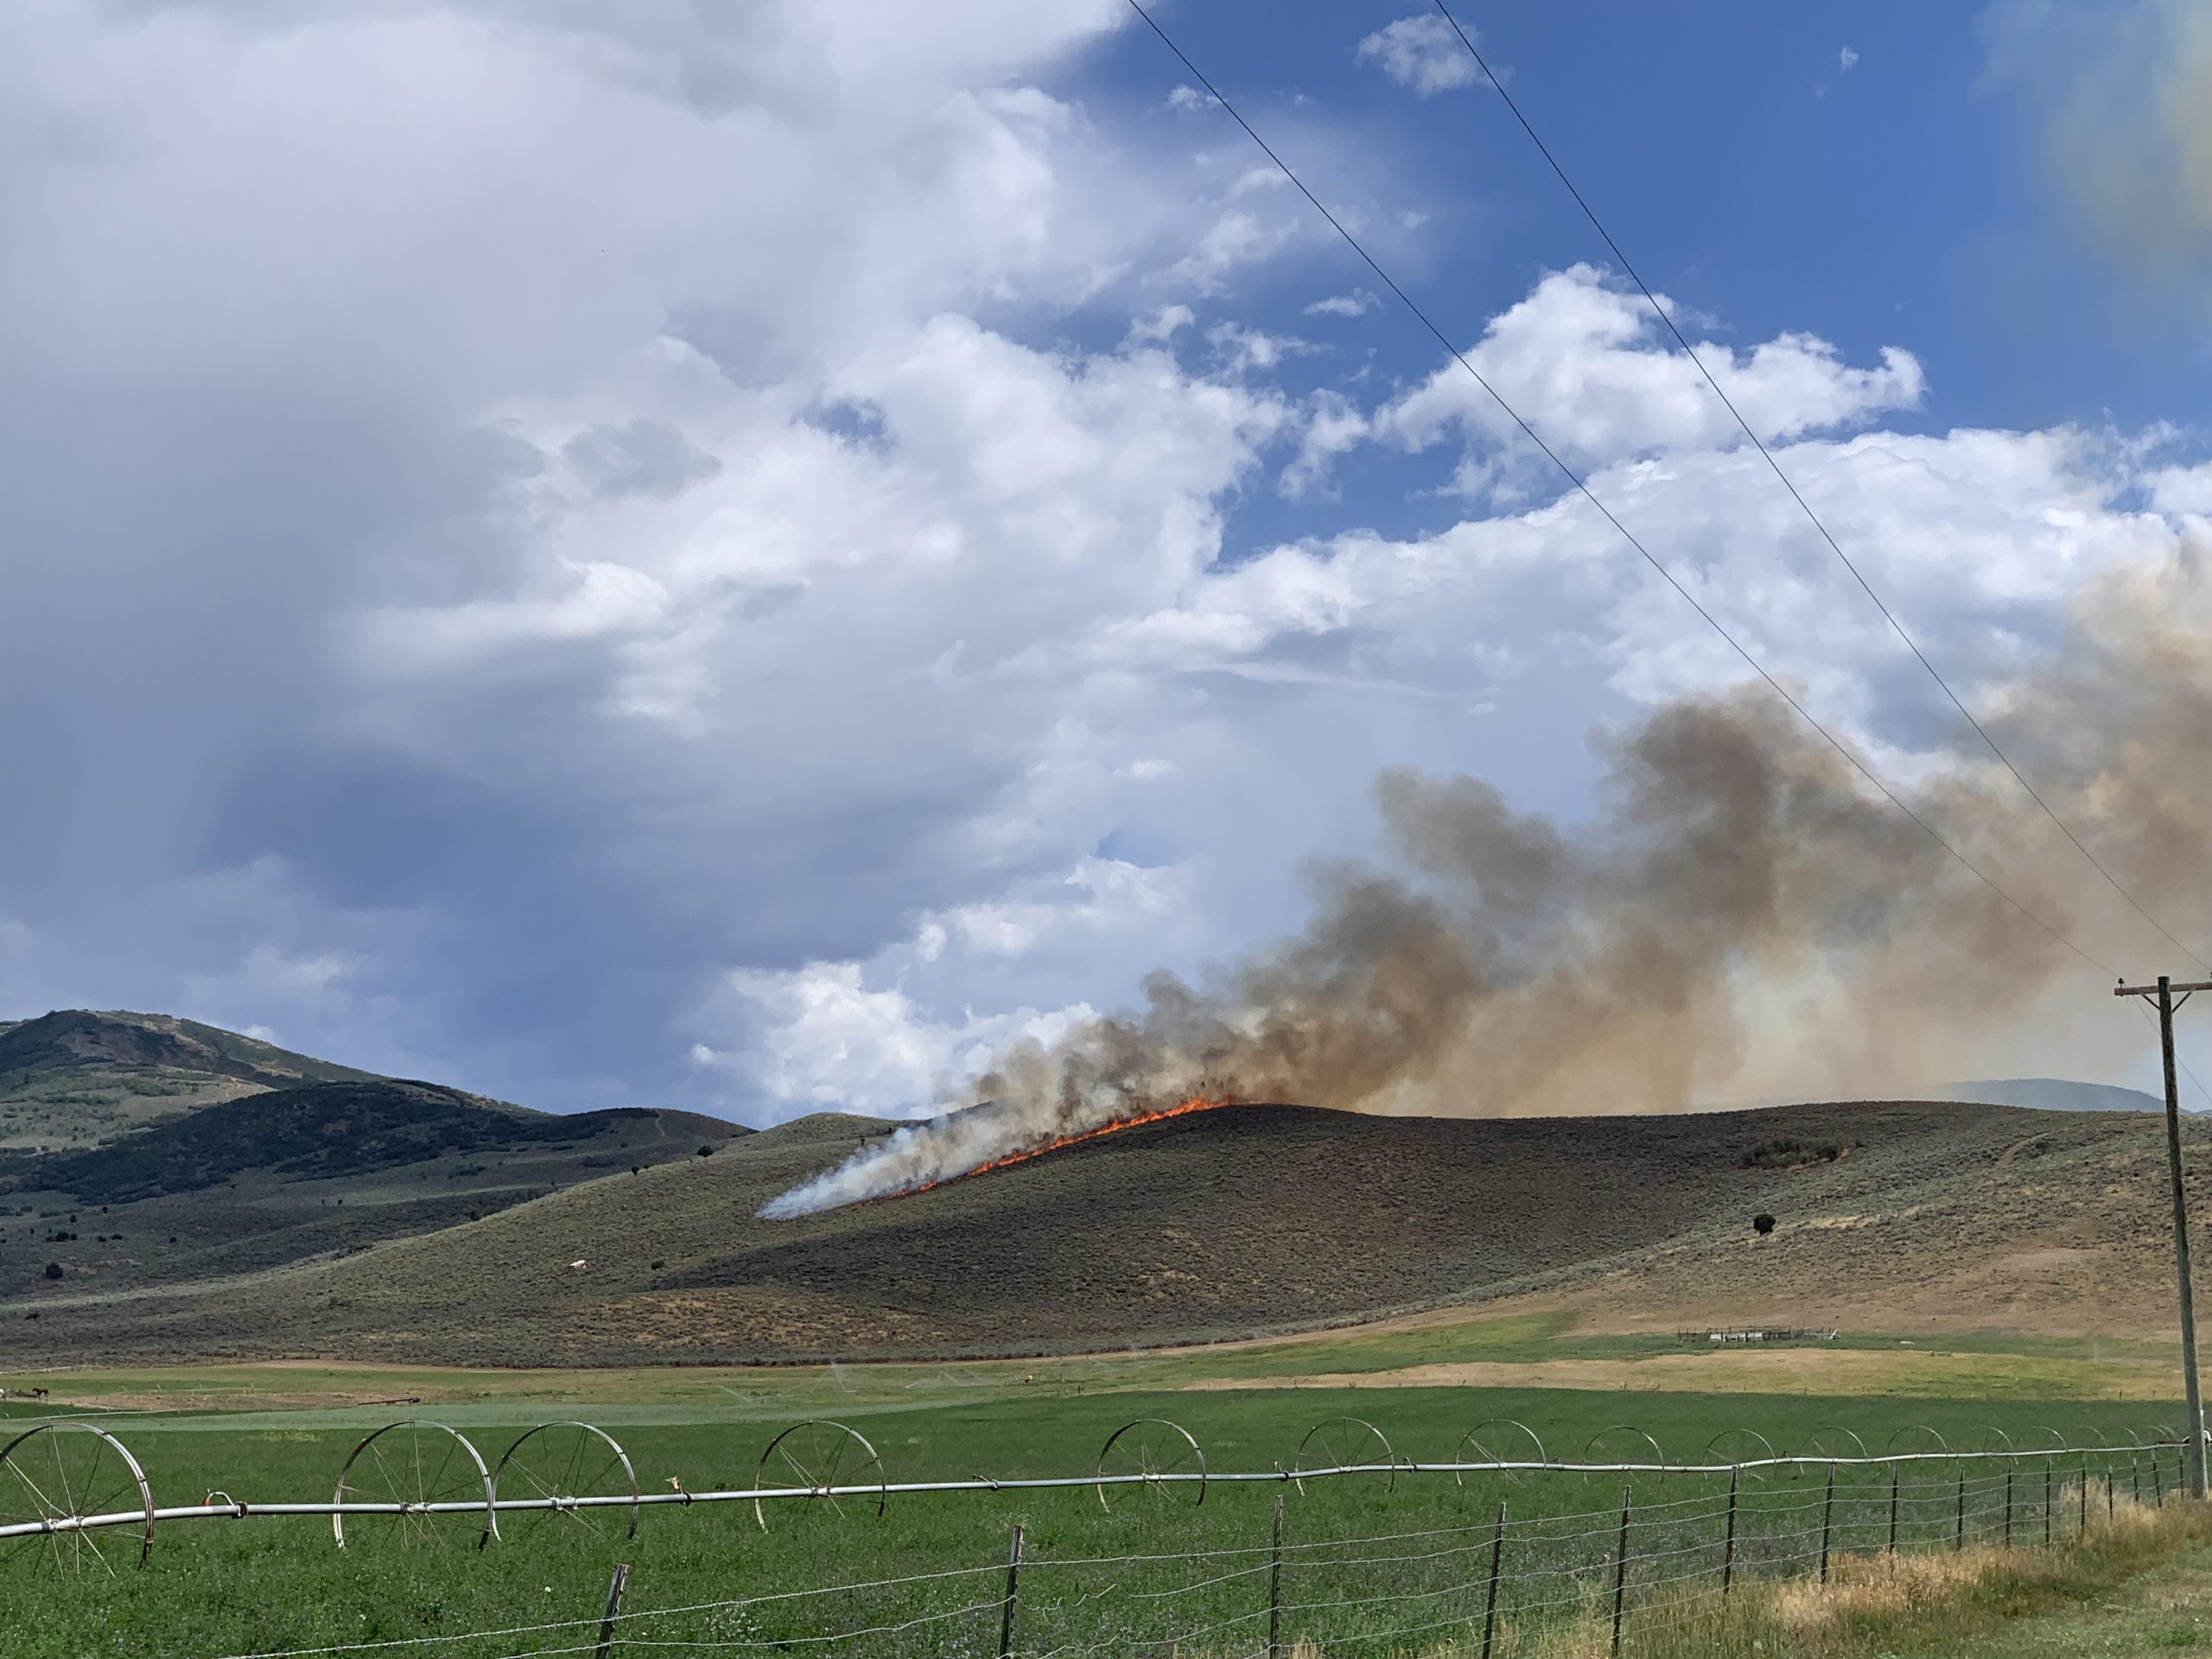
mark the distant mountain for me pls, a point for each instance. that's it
(2050, 1095)
(78, 1078)
(142, 1150)
(324, 1131)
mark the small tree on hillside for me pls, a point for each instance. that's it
(1761, 1223)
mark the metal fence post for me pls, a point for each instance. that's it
(2046, 1503)
(1728, 1548)
(1959, 1532)
(1828, 1515)
(1893, 1509)
(2081, 1522)
(1274, 1586)
(613, 1606)
(1620, 1573)
(2008, 1506)
(1006, 1607)
(2135, 1479)
(2158, 1481)
(1496, 1560)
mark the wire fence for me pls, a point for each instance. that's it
(1533, 1545)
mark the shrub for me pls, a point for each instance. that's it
(706, 1152)
(54, 1269)
(1788, 1151)
(1761, 1223)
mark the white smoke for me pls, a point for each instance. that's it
(908, 1158)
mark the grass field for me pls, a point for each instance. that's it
(260, 1586)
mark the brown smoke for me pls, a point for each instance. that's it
(1506, 964)
(1743, 917)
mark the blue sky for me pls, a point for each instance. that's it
(747, 559)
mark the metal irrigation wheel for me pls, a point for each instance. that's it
(1603, 1439)
(1738, 1447)
(440, 1488)
(1345, 1443)
(1942, 1444)
(64, 1483)
(558, 1464)
(1491, 1440)
(1830, 1444)
(826, 1461)
(1159, 1459)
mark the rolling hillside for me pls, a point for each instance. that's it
(1892, 1217)
(255, 1158)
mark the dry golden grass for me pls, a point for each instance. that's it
(1873, 1605)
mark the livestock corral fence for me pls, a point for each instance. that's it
(1507, 1538)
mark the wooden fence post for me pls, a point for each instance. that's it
(1274, 1586)
(1006, 1607)
(1828, 1515)
(2046, 1503)
(1620, 1573)
(613, 1606)
(1728, 1548)
(1893, 1509)
(1959, 1532)
(2008, 1506)
(1497, 1560)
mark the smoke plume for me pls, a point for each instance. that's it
(2128, 92)
(1743, 917)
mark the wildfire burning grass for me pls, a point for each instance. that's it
(1131, 1120)
(1741, 917)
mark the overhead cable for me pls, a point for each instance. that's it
(1583, 489)
(1796, 495)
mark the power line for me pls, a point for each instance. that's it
(1576, 479)
(1788, 483)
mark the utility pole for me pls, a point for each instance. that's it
(2163, 993)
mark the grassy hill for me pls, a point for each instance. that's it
(1893, 1216)
(188, 1154)
(79, 1078)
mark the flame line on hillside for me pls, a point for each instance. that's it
(812, 1196)
(1135, 1120)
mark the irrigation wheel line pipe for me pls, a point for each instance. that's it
(486, 1509)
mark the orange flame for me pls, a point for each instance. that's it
(1112, 1125)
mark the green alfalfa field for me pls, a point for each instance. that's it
(263, 1585)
